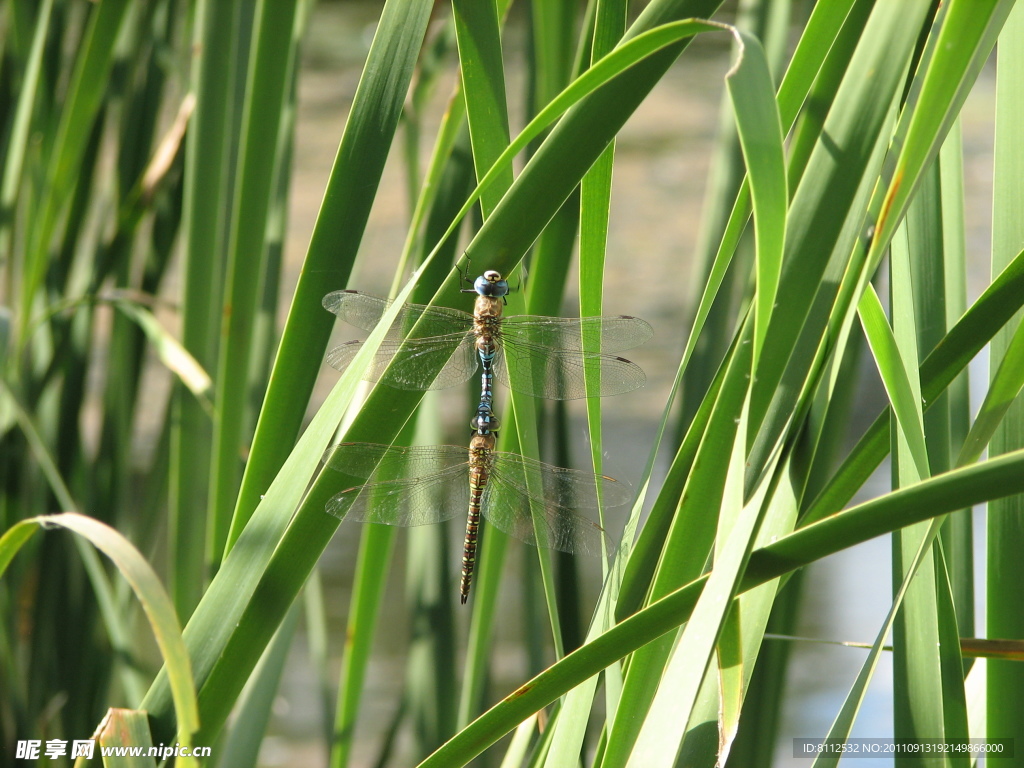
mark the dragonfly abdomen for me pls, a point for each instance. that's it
(480, 448)
(469, 550)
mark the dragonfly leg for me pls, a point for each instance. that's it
(464, 275)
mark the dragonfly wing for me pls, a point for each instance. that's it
(536, 502)
(539, 523)
(436, 362)
(359, 309)
(416, 320)
(604, 334)
(561, 374)
(374, 462)
(408, 501)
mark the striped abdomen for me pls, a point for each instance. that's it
(479, 472)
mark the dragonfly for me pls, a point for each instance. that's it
(437, 347)
(526, 498)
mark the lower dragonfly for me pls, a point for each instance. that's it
(528, 499)
(438, 347)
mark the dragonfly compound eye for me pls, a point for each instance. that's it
(490, 284)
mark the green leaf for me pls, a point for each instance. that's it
(218, 623)
(85, 93)
(371, 124)
(760, 132)
(659, 740)
(209, 155)
(272, 58)
(843, 724)
(979, 324)
(931, 498)
(144, 582)
(1004, 539)
(242, 745)
(905, 404)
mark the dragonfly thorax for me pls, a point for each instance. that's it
(480, 446)
(487, 312)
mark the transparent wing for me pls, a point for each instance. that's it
(535, 502)
(612, 334)
(406, 502)
(364, 311)
(374, 462)
(436, 362)
(560, 374)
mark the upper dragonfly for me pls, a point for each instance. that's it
(438, 347)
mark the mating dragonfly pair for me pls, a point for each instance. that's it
(436, 347)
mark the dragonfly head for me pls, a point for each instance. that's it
(491, 284)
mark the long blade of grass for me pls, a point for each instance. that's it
(660, 737)
(998, 303)
(595, 200)
(826, 199)
(933, 702)
(478, 31)
(761, 137)
(760, 131)
(208, 156)
(217, 621)
(241, 746)
(1005, 533)
(931, 498)
(372, 121)
(552, 28)
(523, 435)
(902, 395)
(144, 582)
(843, 724)
(957, 535)
(267, 91)
(919, 700)
(14, 160)
(83, 102)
